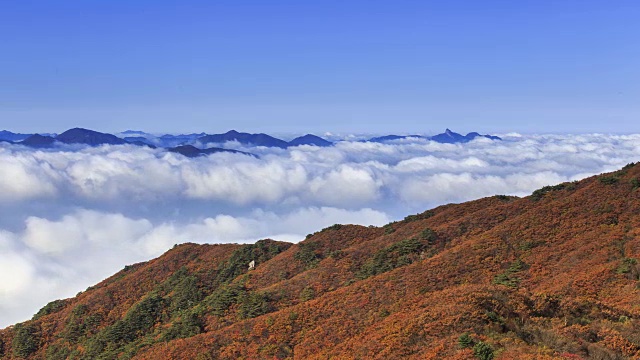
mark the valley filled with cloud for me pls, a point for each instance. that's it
(71, 216)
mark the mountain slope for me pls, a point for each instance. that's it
(394, 137)
(38, 141)
(245, 139)
(451, 137)
(9, 136)
(169, 140)
(447, 137)
(310, 139)
(192, 151)
(89, 137)
(550, 276)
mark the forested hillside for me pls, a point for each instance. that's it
(554, 275)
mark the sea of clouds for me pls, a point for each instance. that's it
(70, 217)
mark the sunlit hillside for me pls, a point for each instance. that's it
(554, 275)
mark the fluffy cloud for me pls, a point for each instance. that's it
(350, 174)
(246, 181)
(55, 258)
(345, 185)
(79, 230)
(23, 177)
(452, 187)
(62, 210)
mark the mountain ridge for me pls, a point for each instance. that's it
(9, 136)
(553, 276)
(88, 137)
(245, 139)
(447, 137)
(192, 151)
(168, 141)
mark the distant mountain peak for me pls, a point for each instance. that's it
(385, 138)
(89, 137)
(134, 132)
(192, 151)
(38, 141)
(451, 137)
(447, 137)
(310, 139)
(12, 137)
(245, 139)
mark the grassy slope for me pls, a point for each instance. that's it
(551, 276)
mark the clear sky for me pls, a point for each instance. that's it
(361, 66)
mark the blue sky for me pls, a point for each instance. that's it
(342, 66)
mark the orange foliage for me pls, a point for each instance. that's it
(553, 276)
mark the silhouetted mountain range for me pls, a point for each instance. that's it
(451, 137)
(38, 141)
(12, 137)
(134, 133)
(132, 139)
(310, 139)
(394, 137)
(88, 137)
(15, 137)
(169, 140)
(245, 139)
(192, 151)
(448, 137)
(175, 143)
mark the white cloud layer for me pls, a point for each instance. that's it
(63, 210)
(56, 258)
(350, 174)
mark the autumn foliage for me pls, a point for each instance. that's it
(551, 276)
